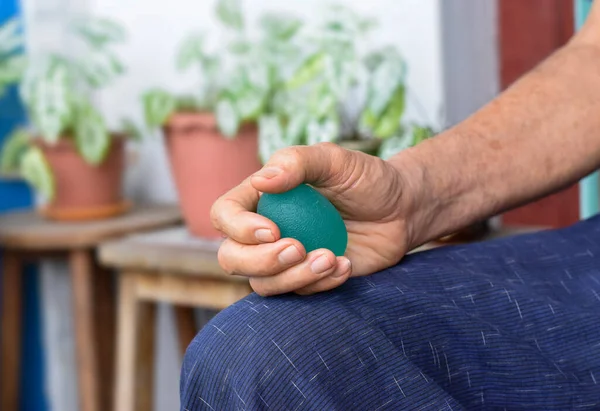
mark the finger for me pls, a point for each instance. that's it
(317, 265)
(287, 168)
(233, 215)
(260, 260)
(342, 272)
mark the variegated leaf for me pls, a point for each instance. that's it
(11, 37)
(384, 81)
(393, 145)
(101, 67)
(191, 51)
(229, 13)
(270, 137)
(227, 118)
(325, 131)
(158, 106)
(13, 149)
(280, 26)
(99, 32)
(91, 135)
(37, 172)
(296, 128)
(249, 104)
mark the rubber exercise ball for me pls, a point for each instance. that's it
(307, 216)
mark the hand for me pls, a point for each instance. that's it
(368, 192)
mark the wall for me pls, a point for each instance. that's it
(417, 27)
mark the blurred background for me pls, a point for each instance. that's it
(456, 55)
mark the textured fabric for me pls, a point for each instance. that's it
(509, 324)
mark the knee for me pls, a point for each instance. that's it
(239, 353)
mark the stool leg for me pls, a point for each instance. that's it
(135, 349)
(186, 326)
(105, 315)
(11, 330)
(81, 266)
(145, 356)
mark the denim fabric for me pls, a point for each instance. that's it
(508, 324)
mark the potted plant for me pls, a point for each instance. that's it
(211, 134)
(345, 90)
(70, 156)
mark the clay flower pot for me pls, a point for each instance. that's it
(84, 191)
(205, 165)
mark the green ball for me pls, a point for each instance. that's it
(307, 216)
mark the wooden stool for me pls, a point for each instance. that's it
(26, 236)
(165, 266)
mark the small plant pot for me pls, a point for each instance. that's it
(370, 146)
(205, 165)
(84, 191)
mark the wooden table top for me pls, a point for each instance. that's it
(174, 251)
(27, 230)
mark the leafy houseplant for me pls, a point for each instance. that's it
(344, 91)
(70, 156)
(211, 133)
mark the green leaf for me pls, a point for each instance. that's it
(13, 149)
(11, 37)
(191, 51)
(279, 25)
(239, 46)
(99, 32)
(384, 82)
(227, 118)
(296, 128)
(395, 144)
(389, 123)
(91, 135)
(158, 107)
(229, 13)
(322, 102)
(325, 131)
(250, 104)
(131, 130)
(368, 121)
(50, 99)
(11, 69)
(309, 70)
(270, 137)
(422, 133)
(37, 172)
(101, 68)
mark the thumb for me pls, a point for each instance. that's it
(319, 165)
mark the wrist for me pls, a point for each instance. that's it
(416, 204)
(438, 192)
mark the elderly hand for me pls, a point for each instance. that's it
(370, 194)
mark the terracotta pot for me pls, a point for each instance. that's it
(205, 165)
(84, 191)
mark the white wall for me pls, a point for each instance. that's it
(156, 27)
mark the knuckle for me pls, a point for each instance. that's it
(259, 288)
(223, 258)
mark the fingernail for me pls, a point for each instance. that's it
(264, 235)
(321, 264)
(344, 267)
(290, 255)
(268, 172)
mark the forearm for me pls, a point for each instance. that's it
(539, 136)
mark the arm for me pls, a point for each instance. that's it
(536, 138)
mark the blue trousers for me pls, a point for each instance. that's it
(510, 324)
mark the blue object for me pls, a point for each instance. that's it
(589, 194)
(508, 324)
(15, 194)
